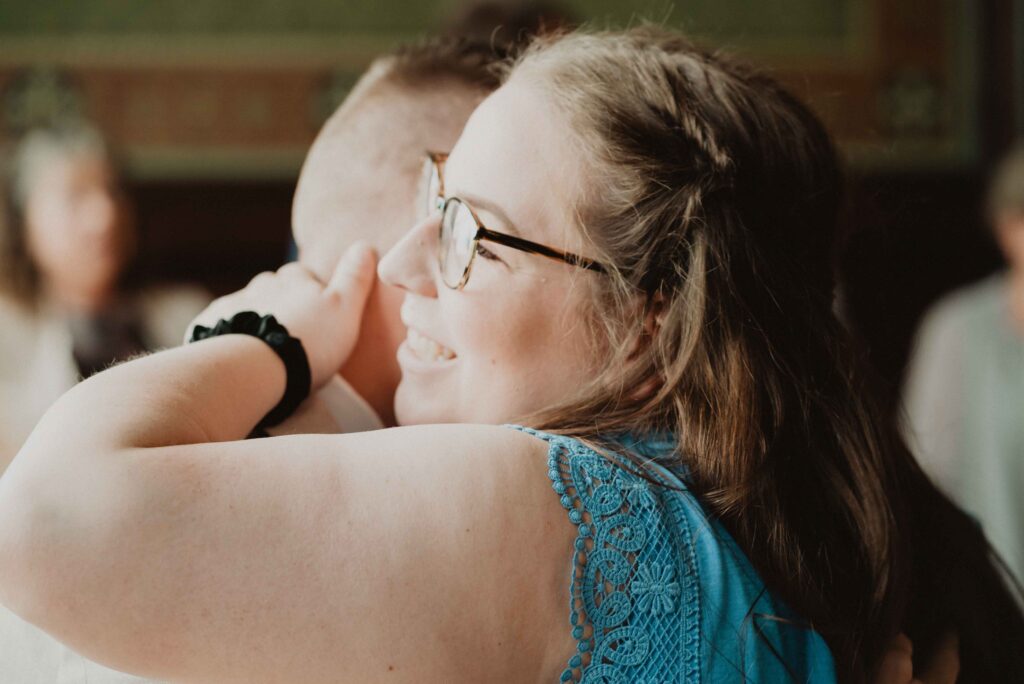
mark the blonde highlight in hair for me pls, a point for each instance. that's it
(713, 197)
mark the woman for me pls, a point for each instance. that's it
(728, 506)
(65, 239)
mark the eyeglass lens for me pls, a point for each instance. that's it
(458, 237)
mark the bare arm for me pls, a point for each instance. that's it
(135, 526)
(313, 558)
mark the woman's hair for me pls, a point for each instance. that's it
(713, 194)
(33, 153)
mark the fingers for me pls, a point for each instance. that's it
(897, 664)
(355, 274)
(295, 268)
(944, 666)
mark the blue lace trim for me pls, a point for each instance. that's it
(634, 599)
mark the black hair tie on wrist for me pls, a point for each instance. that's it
(288, 348)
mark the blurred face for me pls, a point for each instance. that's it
(77, 227)
(513, 340)
(1010, 236)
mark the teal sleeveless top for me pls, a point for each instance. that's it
(659, 591)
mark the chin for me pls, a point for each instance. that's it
(417, 408)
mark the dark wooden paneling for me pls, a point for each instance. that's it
(217, 234)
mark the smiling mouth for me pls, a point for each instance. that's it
(426, 349)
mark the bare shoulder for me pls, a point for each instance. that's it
(495, 453)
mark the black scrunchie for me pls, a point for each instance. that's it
(288, 348)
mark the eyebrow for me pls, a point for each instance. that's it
(491, 208)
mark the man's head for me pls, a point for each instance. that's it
(363, 173)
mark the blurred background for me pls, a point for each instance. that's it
(210, 106)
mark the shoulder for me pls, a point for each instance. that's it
(959, 309)
(954, 325)
(660, 590)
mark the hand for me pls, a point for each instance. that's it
(898, 667)
(325, 318)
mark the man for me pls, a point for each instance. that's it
(359, 181)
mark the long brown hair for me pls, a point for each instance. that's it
(713, 194)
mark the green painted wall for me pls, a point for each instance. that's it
(755, 19)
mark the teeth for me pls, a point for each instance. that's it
(427, 349)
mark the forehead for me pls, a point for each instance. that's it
(515, 153)
(71, 165)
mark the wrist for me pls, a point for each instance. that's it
(287, 348)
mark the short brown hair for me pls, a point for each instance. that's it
(462, 61)
(476, 44)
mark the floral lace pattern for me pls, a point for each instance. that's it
(634, 596)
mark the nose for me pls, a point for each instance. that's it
(412, 263)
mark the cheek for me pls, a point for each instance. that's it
(528, 342)
(46, 239)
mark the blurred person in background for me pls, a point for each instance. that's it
(66, 239)
(964, 394)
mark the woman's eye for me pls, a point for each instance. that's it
(486, 253)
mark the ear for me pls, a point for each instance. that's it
(654, 314)
(653, 317)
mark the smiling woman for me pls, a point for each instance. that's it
(514, 346)
(727, 505)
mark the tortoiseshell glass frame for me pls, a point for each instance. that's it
(483, 233)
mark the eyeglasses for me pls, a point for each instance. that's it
(461, 231)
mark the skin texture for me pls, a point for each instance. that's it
(79, 231)
(360, 182)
